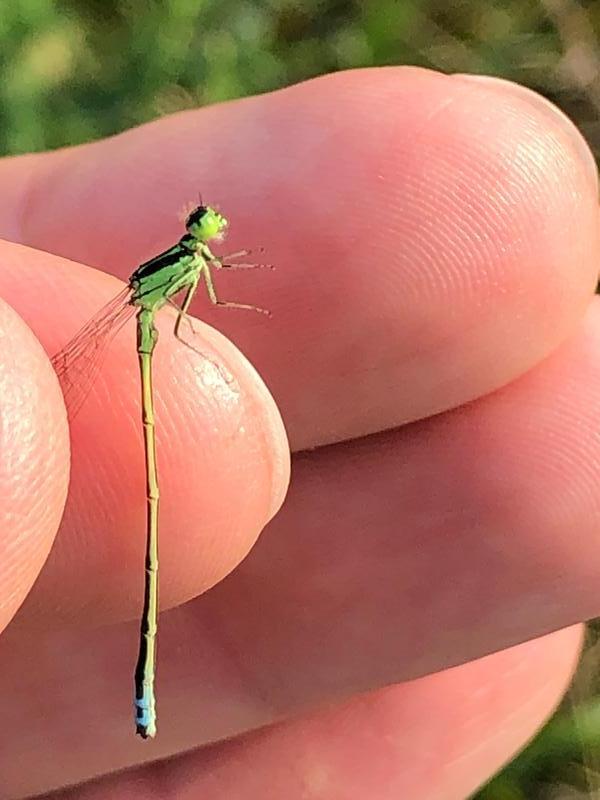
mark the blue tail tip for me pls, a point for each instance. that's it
(145, 715)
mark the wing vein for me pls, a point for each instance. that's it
(77, 364)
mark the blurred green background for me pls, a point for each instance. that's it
(75, 70)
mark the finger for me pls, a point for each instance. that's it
(222, 455)
(410, 552)
(389, 744)
(34, 460)
(434, 237)
(479, 531)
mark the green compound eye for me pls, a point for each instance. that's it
(174, 273)
(205, 223)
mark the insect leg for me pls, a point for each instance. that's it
(223, 265)
(182, 310)
(182, 315)
(224, 262)
(227, 303)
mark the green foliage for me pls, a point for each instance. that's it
(75, 70)
(563, 760)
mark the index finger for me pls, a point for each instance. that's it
(434, 237)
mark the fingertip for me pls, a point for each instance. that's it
(271, 424)
(34, 460)
(221, 447)
(551, 114)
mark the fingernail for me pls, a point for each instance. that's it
(546, 107)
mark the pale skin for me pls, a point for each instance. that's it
(420, 266)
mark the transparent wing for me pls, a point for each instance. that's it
(79, 361)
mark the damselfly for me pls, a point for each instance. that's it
(154, 284)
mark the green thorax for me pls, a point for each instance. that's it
(155, 281)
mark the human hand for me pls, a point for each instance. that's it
(436, 238)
